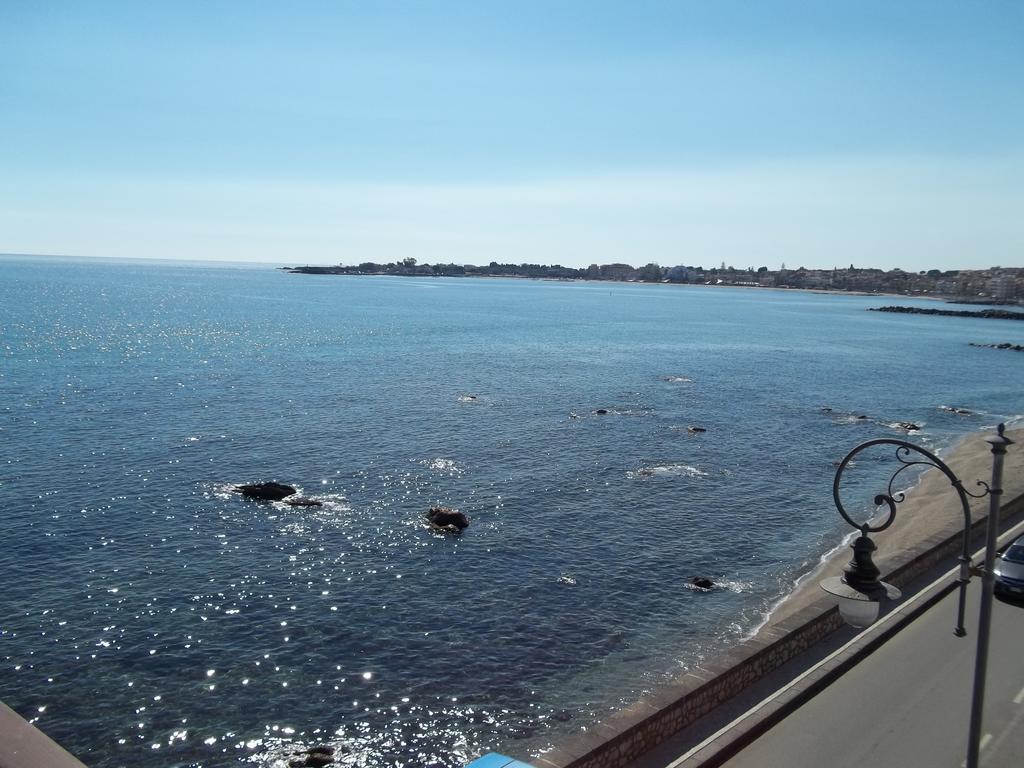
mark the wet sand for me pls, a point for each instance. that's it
(932, 506)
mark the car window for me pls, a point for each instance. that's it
(1014, 554)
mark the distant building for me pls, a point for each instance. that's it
(1002, 287)
(682, 275)
(616, 271)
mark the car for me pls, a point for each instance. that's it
(1009, 570)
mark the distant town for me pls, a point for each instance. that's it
(996, 285)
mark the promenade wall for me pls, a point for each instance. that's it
(630, 733)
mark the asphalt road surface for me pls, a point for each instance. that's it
(908, 704)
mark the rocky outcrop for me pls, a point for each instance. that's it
(265, 491)
(316, 757)
(447, 520)
(702, 582)
(998, 314)
(1004, 345)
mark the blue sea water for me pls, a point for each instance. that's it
(150, 617)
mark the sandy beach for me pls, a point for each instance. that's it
(930, 507)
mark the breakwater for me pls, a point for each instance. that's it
(997, 314)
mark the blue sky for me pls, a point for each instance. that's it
(811, 133)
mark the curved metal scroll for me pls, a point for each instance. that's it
(905, 457)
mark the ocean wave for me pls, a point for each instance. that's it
(729, 585)
(902, 426)
(677, 379)
(665, 470)
(443, 466)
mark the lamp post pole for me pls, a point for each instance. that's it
(998, 445)
(859, 590)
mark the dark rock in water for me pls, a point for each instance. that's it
(908, 425)
(563, 716)
(1000, 314)
(702, 582)
(861, 417)
(696, 429)
(956, 410)
(446, 519)
(601, 411)
(826, 409)
(316, 757)
(265, 491)
(303, 502)
(1004, 345)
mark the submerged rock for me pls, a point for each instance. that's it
(1004, 345)
(695, 429)
(303, 502)
(447, 519)
(702, 582)
(909, 426)
(315, 757)
(265, 491)
(601, 411)
(956, 410)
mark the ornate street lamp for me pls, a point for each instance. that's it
(859, 590)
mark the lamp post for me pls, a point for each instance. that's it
(859, 590)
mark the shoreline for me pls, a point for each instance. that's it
(591, 281)
(930, 507)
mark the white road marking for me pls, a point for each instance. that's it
(985, 740)
(1019, 698)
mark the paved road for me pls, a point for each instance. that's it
(908, 704)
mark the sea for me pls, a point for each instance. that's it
(153, 617)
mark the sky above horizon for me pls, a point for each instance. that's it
(812, 133)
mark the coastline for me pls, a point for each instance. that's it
(930, 508)
(592, 281)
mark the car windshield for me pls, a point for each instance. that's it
(1014, 554)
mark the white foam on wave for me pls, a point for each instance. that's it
(903, 426)
(666, 470)
(678, 379)
(443, 466)
(729, 585)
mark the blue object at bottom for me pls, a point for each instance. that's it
(494, 760)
